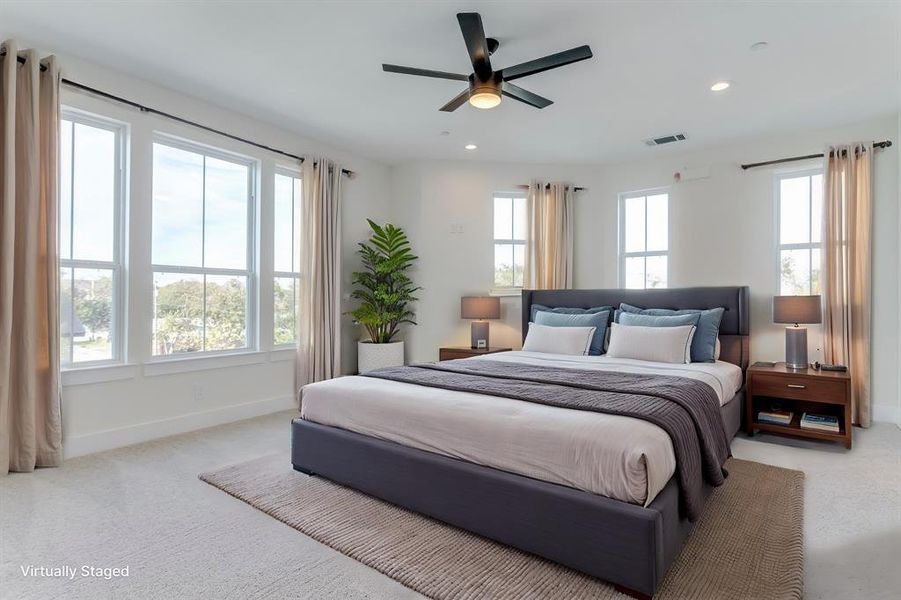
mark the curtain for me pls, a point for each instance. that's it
(30, 429)
(549, 248)
(847, 267)
(319, 292)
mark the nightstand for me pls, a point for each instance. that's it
(810, 390)
(451, 353)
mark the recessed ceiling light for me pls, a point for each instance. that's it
(719, 86)
(758, 46)
(470, 146)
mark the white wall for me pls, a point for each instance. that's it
(722, 233)
(141, 404)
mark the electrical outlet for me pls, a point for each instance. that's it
(198, 392)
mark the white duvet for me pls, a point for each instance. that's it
(620, 457)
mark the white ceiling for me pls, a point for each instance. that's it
(315, 68)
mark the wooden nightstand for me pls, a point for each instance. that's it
(450, 353)
(811, 390)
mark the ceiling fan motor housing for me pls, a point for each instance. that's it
(493, 85)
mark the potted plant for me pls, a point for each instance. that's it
(385, 291)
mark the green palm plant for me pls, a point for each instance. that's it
(383, 288)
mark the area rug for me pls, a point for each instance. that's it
(747, 544)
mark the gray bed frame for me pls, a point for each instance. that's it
(628, 545)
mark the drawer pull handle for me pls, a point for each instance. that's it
(797, 386)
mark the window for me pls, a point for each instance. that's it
(644, 239)
(799, 206)
(286, 270)
(510, 225)
(202, 250)
(90, 206)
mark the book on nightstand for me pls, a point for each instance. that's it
(777, 417)
(820, 422)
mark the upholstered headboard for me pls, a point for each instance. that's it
(735, 329)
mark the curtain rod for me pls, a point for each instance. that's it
(147, 109)
(547, 185)
(876, 146)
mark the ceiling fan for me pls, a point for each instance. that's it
(485, 84)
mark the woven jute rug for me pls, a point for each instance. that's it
(748, 543)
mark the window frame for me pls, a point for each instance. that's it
(296, 275)
(621, 247)
(119, 312)
(251, 305)
(809, 246)
(519, 194)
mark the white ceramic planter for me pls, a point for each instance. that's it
(375, 356)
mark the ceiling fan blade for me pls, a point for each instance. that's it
(476, 44)
(517, 93)
(424, 72)
(458, 101)
(551, 61)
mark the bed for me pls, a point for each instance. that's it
(462, 457)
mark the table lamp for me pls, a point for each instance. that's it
(480, 307)
(796, 310)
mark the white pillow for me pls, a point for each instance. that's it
(657, 344)
(716, 351)
(558, 340)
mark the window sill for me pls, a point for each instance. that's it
(505, 292)
(185, 364)
(98, 374)
(283, 353)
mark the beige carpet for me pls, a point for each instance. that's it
(748, 544)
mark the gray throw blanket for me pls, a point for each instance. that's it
(688, 410)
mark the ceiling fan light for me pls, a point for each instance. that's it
(485, 99)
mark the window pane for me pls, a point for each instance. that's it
(815, 269)
(177, 313)
(795, 272)
(794, 210)
(177, 207)
(503, 218)
(816, 208)
(91, 326)
(634, 272)
(227, 199)
(634, 225)
(658, 235)
(226, 309)
(520, 218)
(283, 212)
(65, 190)
(655, 275)
(298, 195)
(283, 289)
(519, 260)
(66, 320)
(94, 191)
(503, 265)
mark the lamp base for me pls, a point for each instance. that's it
(479, 334)
(796, 348)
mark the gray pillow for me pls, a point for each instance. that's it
(598, 320)
(703, 346)
(642, 320)
(566, 310)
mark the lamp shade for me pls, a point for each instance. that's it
(797, 309)
(480, 307)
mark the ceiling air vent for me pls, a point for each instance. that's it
(665, 139)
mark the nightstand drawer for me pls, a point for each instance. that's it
(799, 388)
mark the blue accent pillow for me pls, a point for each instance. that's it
(598, 320)
(565, 310)
(703, 346)
(642, 320)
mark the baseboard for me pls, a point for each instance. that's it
(887, 414)
(135, 434)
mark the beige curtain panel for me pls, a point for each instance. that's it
(30, 430)
(549, 252)
(319, 292)
(847, 267)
